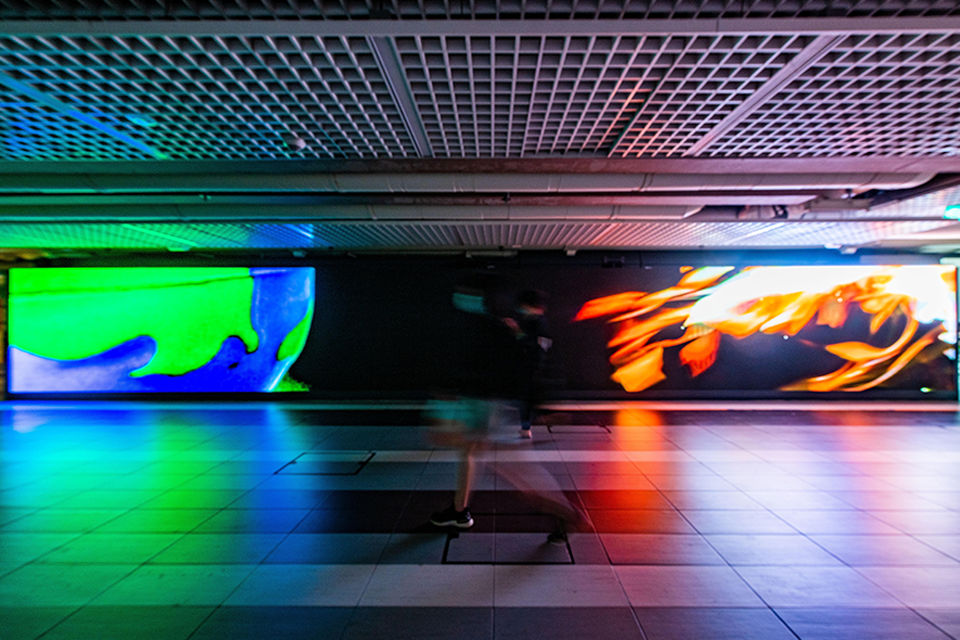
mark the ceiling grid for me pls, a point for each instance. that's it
(699, 85)
(541, 97)
(414, 236)
(211, 97)
(874, 95)
(118, 10)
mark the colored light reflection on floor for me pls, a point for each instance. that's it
(769, 523)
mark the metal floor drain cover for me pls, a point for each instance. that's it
(327, 463)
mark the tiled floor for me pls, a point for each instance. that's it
(173, 522)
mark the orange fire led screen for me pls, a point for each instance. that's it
(802, 328)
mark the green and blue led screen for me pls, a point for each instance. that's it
(136, 330)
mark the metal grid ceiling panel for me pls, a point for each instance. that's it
(872, 95)
(202, 97)
(624, 96)
(763, 234)
(417, 9)
(31, 131)
(689, 234)
(398, 236)
(930, 205)
(849, 233)
(516, 235)
(447, 236)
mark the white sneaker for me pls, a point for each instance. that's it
(526, 433)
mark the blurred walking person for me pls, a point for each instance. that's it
(490, 379)
(535, 341)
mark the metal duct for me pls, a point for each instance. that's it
(286, 213)
(88, 183)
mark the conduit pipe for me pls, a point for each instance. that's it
(347, 213)
(346, 183)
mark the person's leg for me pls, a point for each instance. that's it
(541, 488)
(474, 418)
(526, 413)
(458, 514)
(465, 472)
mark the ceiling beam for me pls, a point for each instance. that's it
(483, 28)
(397, 185)
(388, 60)
(21, 204)
(810, 55)
(568, 165)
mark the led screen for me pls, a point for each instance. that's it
(157, 329)
(785, 328)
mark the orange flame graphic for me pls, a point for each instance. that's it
(781, 300)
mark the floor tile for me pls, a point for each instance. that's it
(839, 587)
(253, 521)
(20, 548)
(528, 548)
(683, 623)
(566, 623)
(219, 548)
(353, 520)
(883, 551)
(430, 585)
(630, 500)
(56, 520)
(836, 522)
(711, 500)
(114, 499)
(700, 482)
(921, 522)
(927, 587)
(263, 499)
(612, 482)
(586, 548)
(11, 514)
(949, 545)
(414, 548)
(28, 623)
(770, 550)
(799, 500)
(51, 586)
(659, 549)
(303, 585)
(470, 548)
(179, 499)
(947, 619)
(526, 523)
(329, 548)
(557, 586)
(622, 521)
(158, 521)
(705, 586)
(131, 623)
(111, 548)
(886, 500)
(857, 624)
(275, 623)
(405, 623)
(182, 585)
(736, 521)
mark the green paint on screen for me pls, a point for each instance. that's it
(293, 344)
(70, 314)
